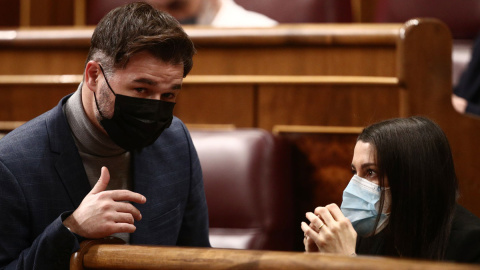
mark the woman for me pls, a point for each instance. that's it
(401, 200)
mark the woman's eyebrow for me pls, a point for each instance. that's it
(365, 165)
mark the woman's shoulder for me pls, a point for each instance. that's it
(464, 220)
(464, 244)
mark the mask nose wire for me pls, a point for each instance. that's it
(108, 84)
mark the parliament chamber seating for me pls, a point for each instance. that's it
(461, 16)
(298, 81)
(305, 11)
(302, 11)
(96, 9)
(248, 185)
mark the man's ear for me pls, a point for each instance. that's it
(92, 71)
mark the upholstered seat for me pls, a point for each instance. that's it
(247, 178)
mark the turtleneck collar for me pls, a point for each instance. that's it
(88, 138)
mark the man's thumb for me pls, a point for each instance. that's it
(102, 182)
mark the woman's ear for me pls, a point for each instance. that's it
(92, 71)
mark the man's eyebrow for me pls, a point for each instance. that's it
(154, 83)
(145, 81)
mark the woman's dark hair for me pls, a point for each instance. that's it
(137, 27)
(414, 155)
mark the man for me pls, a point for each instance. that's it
(217, 13)
(111, 158)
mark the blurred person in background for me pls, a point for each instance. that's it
(466, 94)
(217, 13)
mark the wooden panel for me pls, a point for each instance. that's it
(51, 12)
(79, 10)
(363, 10)
(325, 105)
(321, 163)
(432, 97)
(217, 104)
(24, 102)
(9, 13)
(218, 99)
(295, 60)
(42, 61)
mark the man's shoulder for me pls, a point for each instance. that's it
(29, 136)
(176, 131)
(175, 139)
(29, 130)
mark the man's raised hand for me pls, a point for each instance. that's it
(103, 213)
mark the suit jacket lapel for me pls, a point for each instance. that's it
(69, 164)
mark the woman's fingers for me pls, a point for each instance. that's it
(315, 223)
(324, 214)
(335, 211)
(312, 240)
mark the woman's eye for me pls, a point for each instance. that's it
(371, 172)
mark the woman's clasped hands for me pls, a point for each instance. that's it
(329, 231)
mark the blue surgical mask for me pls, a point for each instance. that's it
(361, 203)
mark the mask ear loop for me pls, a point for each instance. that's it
(95, 96)
(383, 194)
(108, 84)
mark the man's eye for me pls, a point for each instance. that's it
(168, 95)
(140, 90)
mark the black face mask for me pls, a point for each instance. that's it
(136, 122)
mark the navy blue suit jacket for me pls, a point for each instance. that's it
(42, 180)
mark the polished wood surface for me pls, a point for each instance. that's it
(219, 79)
(99, 255)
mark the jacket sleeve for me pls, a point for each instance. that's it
(468, 86)
(19, 247)
(194, 229)
(473, 109)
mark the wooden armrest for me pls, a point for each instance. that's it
(76, 260)
(105, 255)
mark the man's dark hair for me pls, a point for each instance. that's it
(137, 27)
(414, 155)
